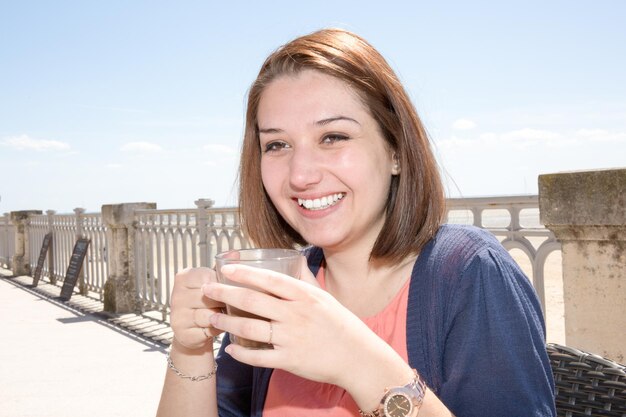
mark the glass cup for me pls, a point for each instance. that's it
(285, 261)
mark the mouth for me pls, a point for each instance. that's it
(320, 203)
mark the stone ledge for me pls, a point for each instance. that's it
(585, 198)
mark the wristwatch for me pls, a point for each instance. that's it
(404, 401)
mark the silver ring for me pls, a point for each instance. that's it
(204, 330)
(269, 342)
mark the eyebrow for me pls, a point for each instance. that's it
(322, 122)
(271, 130)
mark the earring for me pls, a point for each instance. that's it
(396, 165)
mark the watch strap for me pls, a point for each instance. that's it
(417, 386)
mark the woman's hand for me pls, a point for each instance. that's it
(191, 310)
(314, 336)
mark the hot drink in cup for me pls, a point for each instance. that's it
(285, 261)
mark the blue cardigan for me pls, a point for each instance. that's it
(475, 333)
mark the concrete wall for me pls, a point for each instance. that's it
(586, 210)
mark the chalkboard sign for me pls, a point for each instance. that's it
(45, 246)
(73, 269)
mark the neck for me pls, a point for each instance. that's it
(362, 285)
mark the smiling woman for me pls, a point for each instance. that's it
(310, 157)
(394, 314)
(359, 71)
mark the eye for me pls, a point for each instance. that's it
(334, 137)
(274, 146)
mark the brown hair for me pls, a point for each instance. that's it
(416, 202)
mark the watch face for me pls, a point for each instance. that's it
(398, 405)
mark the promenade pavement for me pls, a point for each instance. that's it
(59, 360)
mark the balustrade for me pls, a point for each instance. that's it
(96, 267)
(63, 228)
(7, 241)
(515, 221)
(166, 241)
(159, 243)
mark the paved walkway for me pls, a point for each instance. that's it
(60, 360)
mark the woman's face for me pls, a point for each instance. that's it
(325, 164)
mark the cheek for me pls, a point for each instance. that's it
(364, 166)
(271, 178)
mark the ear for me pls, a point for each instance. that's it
(395, 168)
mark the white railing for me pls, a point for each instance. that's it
(96, 264)
(223, 232)
(7, 241)
(37, 229)
(65, 229)
(167, 241)
(515, 221)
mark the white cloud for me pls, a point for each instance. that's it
(530, 134)
(113, 166)
(601, 135)
(515, 139)
(456, 143)
(141, 147)
(529, 138)
(463, 124)
(215, 148)
(25, 142)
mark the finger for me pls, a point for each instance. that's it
(246, 299)
(195, 277)
(202, 316)
(255, 329)
(281, 285)
(196, 338)
(183, 297)
(188, 325)
(264, 358)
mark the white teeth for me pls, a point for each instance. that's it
(320, 203)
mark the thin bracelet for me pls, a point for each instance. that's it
(198, 378)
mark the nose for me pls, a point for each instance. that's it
(305, 168)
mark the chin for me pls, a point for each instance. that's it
(322, 241)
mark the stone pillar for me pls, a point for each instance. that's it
(587, 212)
(119, 290)
(202, 219)
(21, 258)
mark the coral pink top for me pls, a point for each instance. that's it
(291, 396)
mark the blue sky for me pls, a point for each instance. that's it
(124, 101)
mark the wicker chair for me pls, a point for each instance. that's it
(587, 384)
